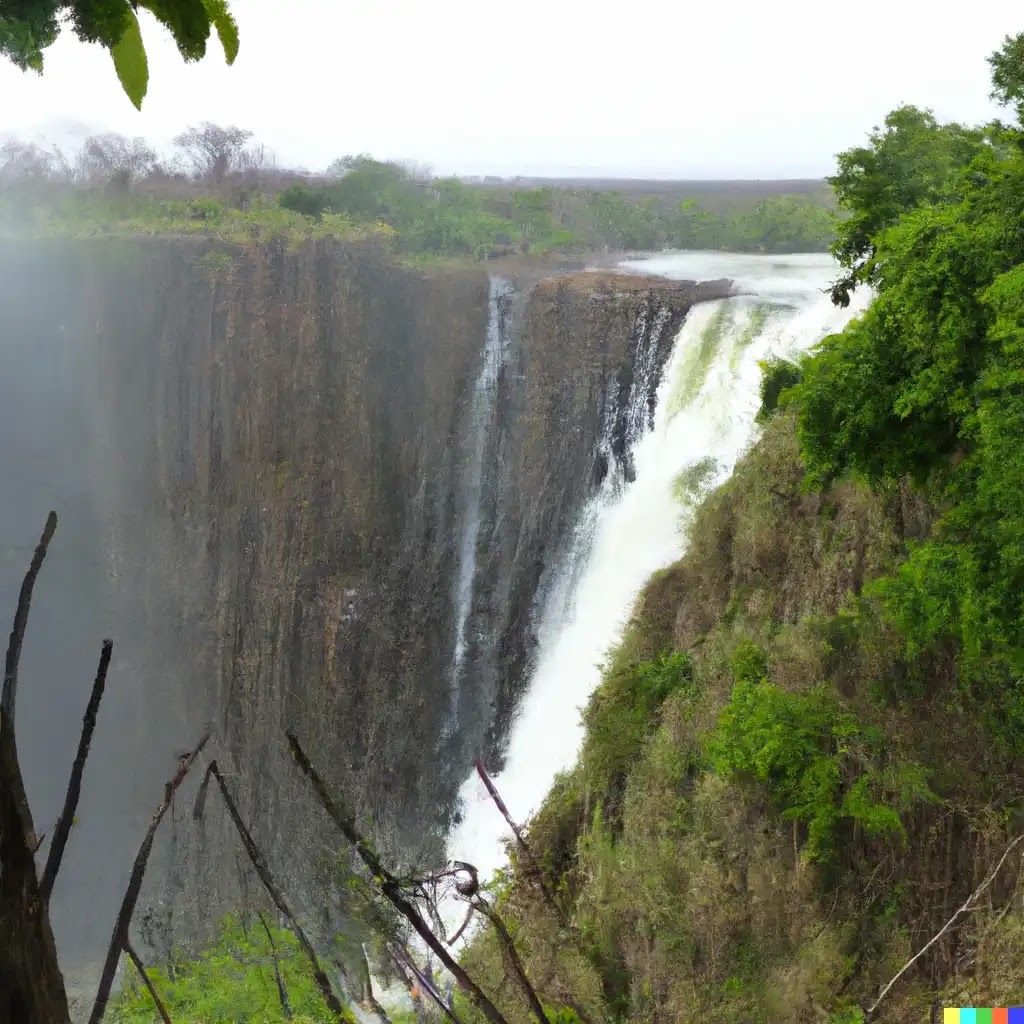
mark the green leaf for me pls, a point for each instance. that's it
(130, 62)
(226, 26)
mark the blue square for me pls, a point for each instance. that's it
(1016, 1015)
(968, 1015)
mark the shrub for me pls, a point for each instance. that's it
(302, 199)
(777, 375)
(819, 764)
(622, 713)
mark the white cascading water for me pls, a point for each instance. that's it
(707, 401)
(485, 393)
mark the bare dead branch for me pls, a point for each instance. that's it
(371, 999)
(405, 963)
(513, 958)
(164, 1016)
(963, 909)
(32, 986)
(274, 891)
(119, 939)
(8, 696)
(200, 805)
(67, 815)
(521, 842)
(282, 992)
(390, 887)
(462, 927)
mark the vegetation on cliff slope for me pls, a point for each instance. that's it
(234, 979)
(806, 753)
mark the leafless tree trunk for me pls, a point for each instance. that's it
(967, 905)
(31, 985)
(406, 967)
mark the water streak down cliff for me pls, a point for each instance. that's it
(265, 460)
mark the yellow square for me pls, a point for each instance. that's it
(951, 1015)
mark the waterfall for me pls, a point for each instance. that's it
(703, 420)
(485, 393)
(626, 418)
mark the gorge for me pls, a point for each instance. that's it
(307, 488)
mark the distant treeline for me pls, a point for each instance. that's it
(450, 217)
(220, 183)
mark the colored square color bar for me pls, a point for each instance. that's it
(975, 1015)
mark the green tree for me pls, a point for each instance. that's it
(1007, 66)
(373, 190)
(28, 27)
(928, 383)
(910, 161)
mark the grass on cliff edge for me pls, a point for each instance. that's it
(140, 216)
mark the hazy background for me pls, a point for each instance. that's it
(664, 89)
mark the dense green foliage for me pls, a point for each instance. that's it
(777, 375)
(234, 980)
(28, 27)
(622, 713)
(927, 384)
(453, 218)
(822, 767)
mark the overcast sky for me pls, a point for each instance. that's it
(659, 88)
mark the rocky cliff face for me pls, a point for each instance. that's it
(297, 494)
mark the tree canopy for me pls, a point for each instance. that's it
(928, 384)
(28, 27)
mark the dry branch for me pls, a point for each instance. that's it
(521, 842)
(140, 967)
(282, 992)
(274, 891)
(371, 999)
(462, 927)
(119, 939)
(390, 887)
(513, 958)
(963, 909)
(67, 815)
(404, 962)
(8, 697)
(32, 986)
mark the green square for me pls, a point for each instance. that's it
(983, 1016)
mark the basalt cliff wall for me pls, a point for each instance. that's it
(263, 461)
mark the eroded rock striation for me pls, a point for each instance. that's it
(264, 463)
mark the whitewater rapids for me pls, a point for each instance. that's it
(704, 420)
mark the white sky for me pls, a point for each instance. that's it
(659, 88)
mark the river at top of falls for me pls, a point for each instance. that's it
(704, 420)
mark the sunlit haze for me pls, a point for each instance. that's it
(660, 89)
